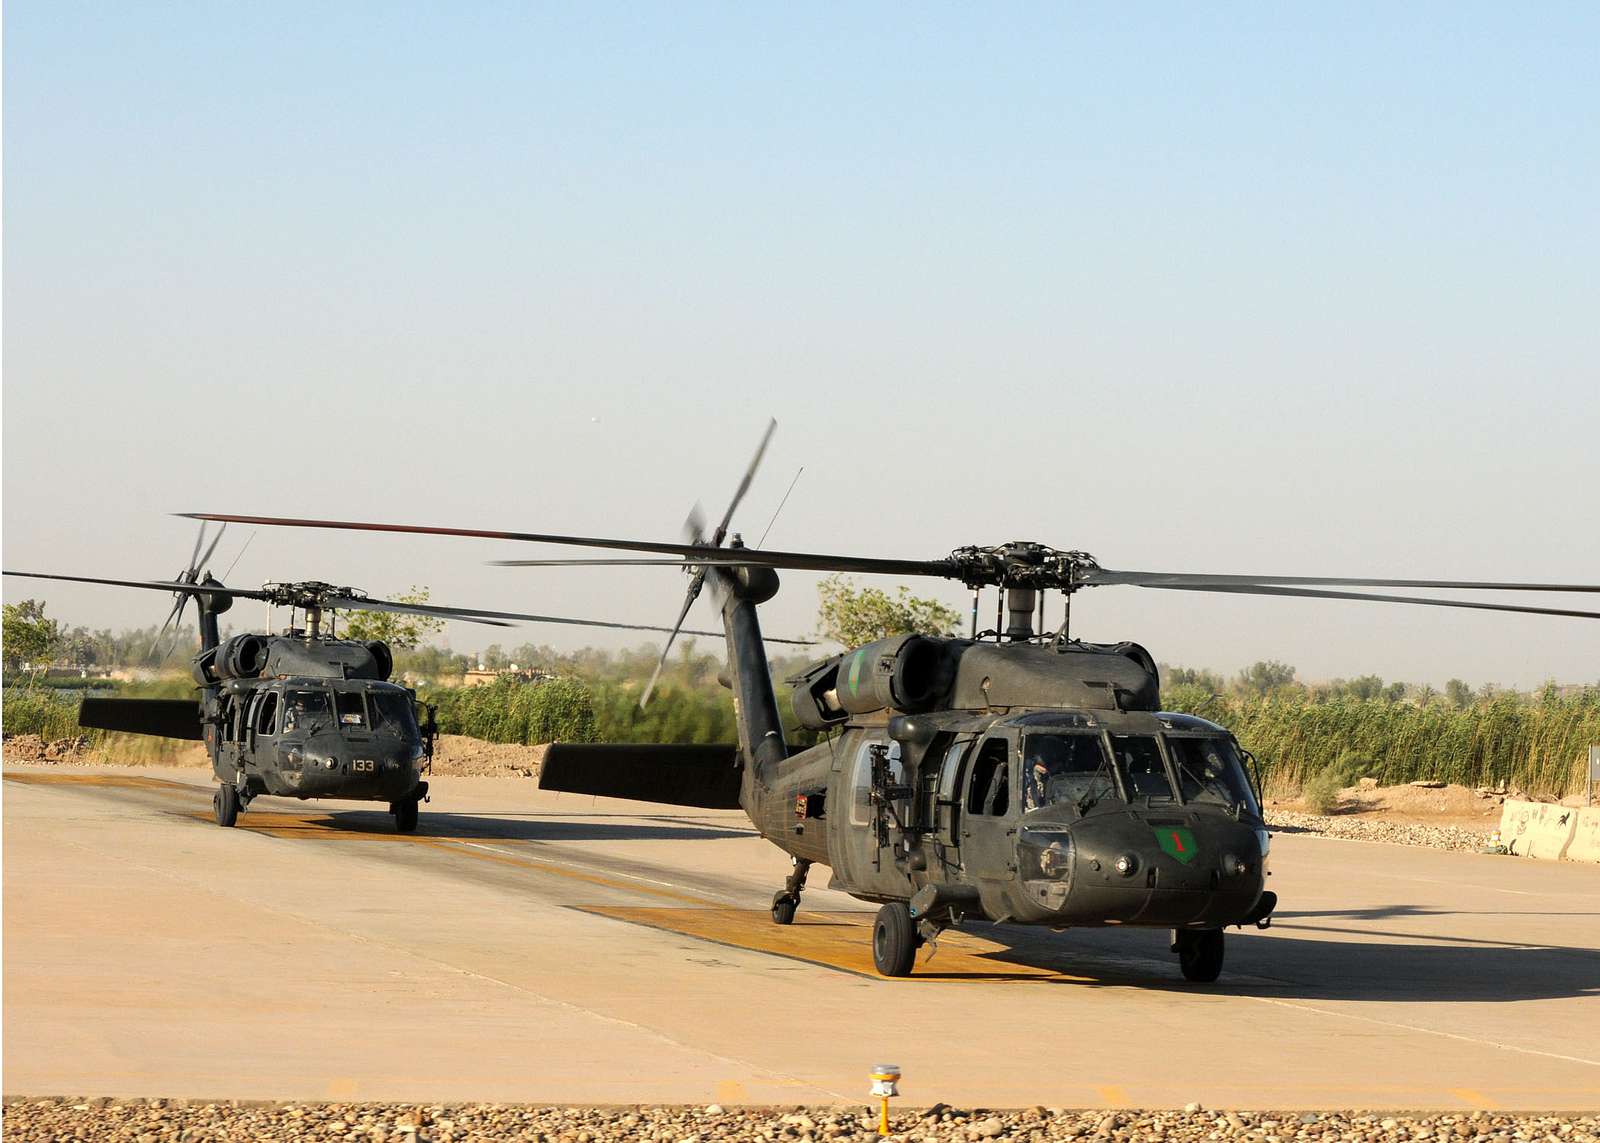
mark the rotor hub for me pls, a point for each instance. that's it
(312, 594)
(1022, 564)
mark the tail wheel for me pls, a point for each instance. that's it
(1200, 955)
(225, 804)
(405, 817)
(894, 940)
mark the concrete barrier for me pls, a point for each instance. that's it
(1538, 829)
(1586, 838)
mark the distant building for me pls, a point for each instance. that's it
(483, 676)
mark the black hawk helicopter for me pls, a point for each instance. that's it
(302, 714)
(1017, 775)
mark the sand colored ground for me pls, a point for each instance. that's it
(534, 948)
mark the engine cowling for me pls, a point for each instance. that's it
(241, 657)
(909, 673)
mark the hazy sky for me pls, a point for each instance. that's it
(1266, 289)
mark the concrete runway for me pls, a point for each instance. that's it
(533, 948)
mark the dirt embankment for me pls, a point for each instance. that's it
(454, 755)
(1436, 815)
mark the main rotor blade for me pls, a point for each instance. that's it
(149, 584)
(354, 603)
(1312, 593)
(692, 553)
(1099, 576)
(753, 558)
(744, 484)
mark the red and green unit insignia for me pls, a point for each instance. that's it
(1177, 842)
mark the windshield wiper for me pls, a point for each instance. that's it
(1234, 803)
(1090, 797)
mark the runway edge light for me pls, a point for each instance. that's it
(884, 1079)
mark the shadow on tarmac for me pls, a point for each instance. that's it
(1295, 963)
(476, 827)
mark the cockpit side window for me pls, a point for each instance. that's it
(267, 714)
(989, 791)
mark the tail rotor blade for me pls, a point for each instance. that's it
(694, 525)
(194, 556)
(688, 601)
(206, 559)
(744, 484)
(175, 622)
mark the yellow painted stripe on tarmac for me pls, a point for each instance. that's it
(125, 781)
(841, 941)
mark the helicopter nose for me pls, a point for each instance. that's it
(1133, 868)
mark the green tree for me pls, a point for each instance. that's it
(1365, 687)
(1264, 677)
(494, 657)
(1458, 694)
(851, 615)
(1208, 681)
(29, 636)
(401, 632)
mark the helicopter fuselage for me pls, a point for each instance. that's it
(1059, 817)
(304, 736)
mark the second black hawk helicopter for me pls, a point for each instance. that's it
(299, 714)
(1017, 775)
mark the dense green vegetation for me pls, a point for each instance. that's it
(1537, 745)
(556, 710)
(50, 714)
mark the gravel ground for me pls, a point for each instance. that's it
(193, 1121)
(1455, 837)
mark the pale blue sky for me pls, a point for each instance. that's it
(1256, 289)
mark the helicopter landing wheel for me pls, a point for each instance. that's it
(783, 909)
(1200, 954)
(225, 804)
(405, 816)
(894, 940)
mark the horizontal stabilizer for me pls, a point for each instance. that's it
(164, 718)
(706, 777)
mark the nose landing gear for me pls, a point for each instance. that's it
(225, 804)
(405, 810)
(1199, 953)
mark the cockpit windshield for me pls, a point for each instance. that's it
(393, 711)
(1139, 759)
(301, 709)
(1063, 768)
(1209, 770)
